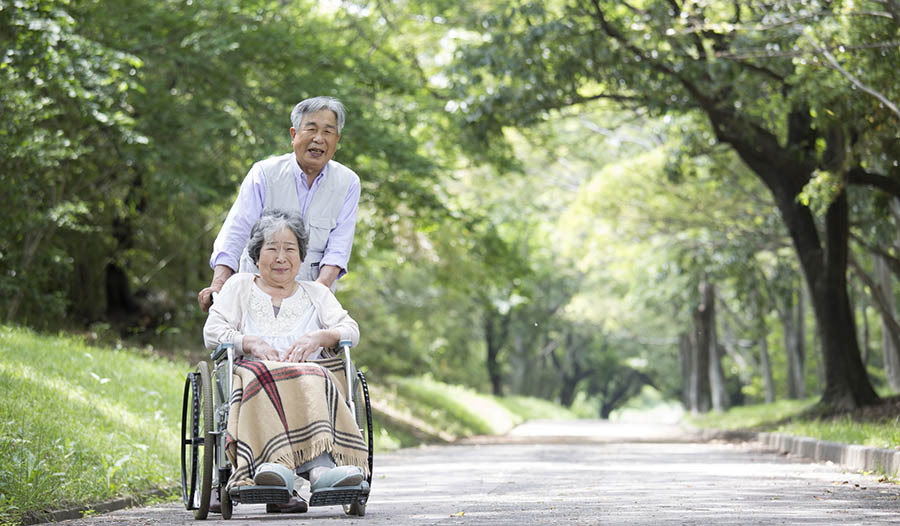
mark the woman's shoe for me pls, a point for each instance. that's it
(271, 474)
(215, 505)
(338, 477)
(297, 504)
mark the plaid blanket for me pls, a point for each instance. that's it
(290, 413)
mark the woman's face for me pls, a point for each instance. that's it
(279, 258)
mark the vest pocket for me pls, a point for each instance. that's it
(319, 229)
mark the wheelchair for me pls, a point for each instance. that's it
(205, 467)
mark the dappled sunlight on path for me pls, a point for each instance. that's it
(590, 472)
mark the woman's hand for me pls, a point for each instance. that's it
(307, 344)
(258, 348)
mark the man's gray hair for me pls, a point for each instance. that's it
(315, 104)
(272, 221)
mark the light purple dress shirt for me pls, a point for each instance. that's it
(248, 207)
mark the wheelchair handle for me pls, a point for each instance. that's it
(348, 373)
(220, 350)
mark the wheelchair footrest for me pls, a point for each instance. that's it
(260, 494)
(340, 495)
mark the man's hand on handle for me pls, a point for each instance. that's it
(220, 276)
(327, 274)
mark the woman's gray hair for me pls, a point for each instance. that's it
(273, 220)
(315, 104)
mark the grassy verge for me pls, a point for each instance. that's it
(409, 411)
(792, 417)
(82, 424)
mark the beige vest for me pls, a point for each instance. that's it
(321, 215)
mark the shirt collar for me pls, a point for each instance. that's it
(299, 172)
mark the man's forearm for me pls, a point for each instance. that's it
(327, 274)
(220, 276)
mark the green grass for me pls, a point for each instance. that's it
(790, 417)
(81, 424)
(462, 411)
(425, 408)
(761, 417)
(528, 408)
(455, 409)
(884, 434)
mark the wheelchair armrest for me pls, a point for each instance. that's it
(220, 350)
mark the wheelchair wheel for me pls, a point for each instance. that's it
(197, 442)
(364, 420)
(225, 500)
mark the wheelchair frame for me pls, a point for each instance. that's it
(205, 467)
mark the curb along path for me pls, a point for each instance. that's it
(849, 456)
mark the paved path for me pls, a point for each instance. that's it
(586, 473)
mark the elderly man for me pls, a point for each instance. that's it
(325, 192)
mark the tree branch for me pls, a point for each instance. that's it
(856, 82)
(658, 66)
(892, 262)
(887, 184)
(881, 302)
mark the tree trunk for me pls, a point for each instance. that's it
(768, 381)
(718, 389)
(762, 333)
(700, 388)
(847, 384)
(889, 337)
(792, 316)
(786, 313)
(32, 242)
(570, 368)
(494, 335)
(863, 306)
(567, 392)
(684, 350)
(785, 170)
(800, 340)
(746, 364)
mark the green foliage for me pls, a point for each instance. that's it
(132, 133)
(64, 101)
(544, 183)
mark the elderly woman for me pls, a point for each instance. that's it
(283, 418)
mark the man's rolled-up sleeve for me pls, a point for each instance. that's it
(340, 240)
(245, 211)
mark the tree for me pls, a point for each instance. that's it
(64, 97)
(740, 65)
(134, 122)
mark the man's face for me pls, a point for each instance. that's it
(315, 141)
